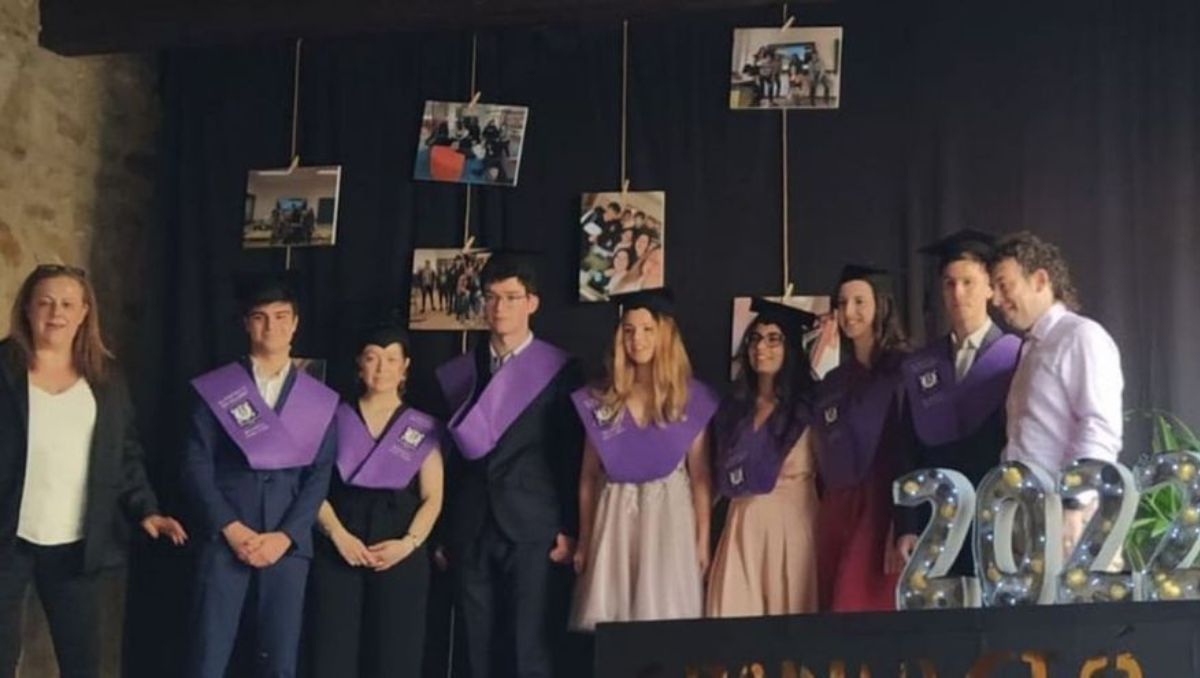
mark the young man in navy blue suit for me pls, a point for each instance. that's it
(256, 467)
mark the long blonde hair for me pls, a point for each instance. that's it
(89, 355)
(671, 369)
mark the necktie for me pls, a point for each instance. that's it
(963, 359)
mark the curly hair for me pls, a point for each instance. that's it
(1032, 253)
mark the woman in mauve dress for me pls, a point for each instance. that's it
(765, 563)
(644, 491)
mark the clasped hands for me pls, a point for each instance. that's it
(258, 550)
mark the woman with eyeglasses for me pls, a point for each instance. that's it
(765, 563)
(72, 479)
(645, 487)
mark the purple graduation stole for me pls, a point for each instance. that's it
(747, 461)
(270, 441)
(851, 407)
(391, 462)
(945, 411)
(631, 454)
(477, 427)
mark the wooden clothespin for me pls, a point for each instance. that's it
(295, 163)
(787, 293)
(467, 245)
(625, 187)
(787, 24)
(474, 100)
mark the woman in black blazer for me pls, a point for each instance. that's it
(71, 471)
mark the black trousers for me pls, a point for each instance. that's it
(364, 623)
(504, 595)
(70, 598)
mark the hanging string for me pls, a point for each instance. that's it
(294, 157)
(783, 112)
(624, 105)
(470, 188)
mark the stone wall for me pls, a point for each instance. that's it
(78, 141)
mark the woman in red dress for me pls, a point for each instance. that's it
(859, 442)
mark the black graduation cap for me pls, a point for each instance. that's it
(793, 321)
(256, 289)
(962, 242)
(658, 301)
(879, 279)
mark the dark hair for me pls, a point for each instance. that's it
(963, 255)
(615, 206)
(504, 266)
(1032, 253)
(885, 326)
(89, 355)
(269, 291)
(382, 335)
(793, 385)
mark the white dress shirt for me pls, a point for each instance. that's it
(1065, 398)
(498, 360)
(58, 451)
(967, 350)
(270, 386)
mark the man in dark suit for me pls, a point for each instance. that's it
(512, 485)
(956, 385)
(256, 468)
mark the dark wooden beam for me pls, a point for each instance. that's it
(76, 27)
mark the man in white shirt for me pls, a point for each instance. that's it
(956, 385)
(1065, 400)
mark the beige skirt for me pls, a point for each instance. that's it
(766, 559)
(642, 562)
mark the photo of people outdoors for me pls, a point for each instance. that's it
(792, 68)
(623, 245)
(821, 342)
(291, 207)
(470, 144)
(445, 292)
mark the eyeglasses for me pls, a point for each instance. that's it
(503, 299)
(771, 339)
(56, 269)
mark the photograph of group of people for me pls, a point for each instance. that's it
(623, 243)
(790, 68)
(467, 143)
(446, 293)
(291, 207)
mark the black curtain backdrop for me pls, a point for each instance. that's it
(1077, 122)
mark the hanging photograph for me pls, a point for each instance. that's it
(291, 208)
(792, 68)
(820, 343)
(465, 144)
(446, 293)
(623, 243)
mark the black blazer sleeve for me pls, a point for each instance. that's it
(566, 446)
(134, 493)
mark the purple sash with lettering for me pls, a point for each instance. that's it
(945, 411)
(632, 454)
(391, 462)
(851, 407)
(747, 461)
(270, 441)
(477, 428)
